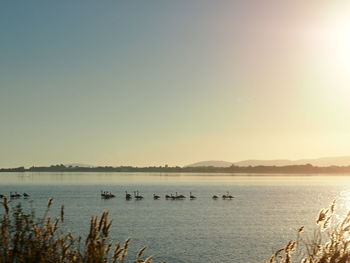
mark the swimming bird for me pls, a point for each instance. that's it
(156, 197)
(138, 196)
(106, 195)
(192, 196)
(215, 197)
(229, 196)
(127, 196)
(15, 195)
(25, 195)
(179, 196)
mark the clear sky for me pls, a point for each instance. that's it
(173, 82)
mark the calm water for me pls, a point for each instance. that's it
(263, 216)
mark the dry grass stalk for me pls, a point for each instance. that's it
(27, 239)
(328, 245)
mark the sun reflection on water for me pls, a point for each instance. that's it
(342, 204)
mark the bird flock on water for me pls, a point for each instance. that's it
(15, 195)
(137, 196)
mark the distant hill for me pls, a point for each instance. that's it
(322, 162)
(326, 161)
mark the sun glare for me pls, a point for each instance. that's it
(328, 41)
(336, 37)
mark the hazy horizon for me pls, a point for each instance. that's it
(155, 83)
(321, 162)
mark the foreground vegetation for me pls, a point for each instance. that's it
(24, 238)
(330, 242)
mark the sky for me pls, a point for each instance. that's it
(173, 82)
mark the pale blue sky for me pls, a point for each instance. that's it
(156, 82)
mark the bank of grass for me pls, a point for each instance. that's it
(330, 242)
(24, 238)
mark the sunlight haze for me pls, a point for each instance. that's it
(173, 82)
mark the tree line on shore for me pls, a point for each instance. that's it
(291, 169)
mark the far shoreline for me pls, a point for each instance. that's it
(304, 170)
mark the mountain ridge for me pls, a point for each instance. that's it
(322, 162)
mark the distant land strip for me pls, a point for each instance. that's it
(289, 169)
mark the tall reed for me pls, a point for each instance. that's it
(25, 238)
(329, 244)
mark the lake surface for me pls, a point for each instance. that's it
(263, 216)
